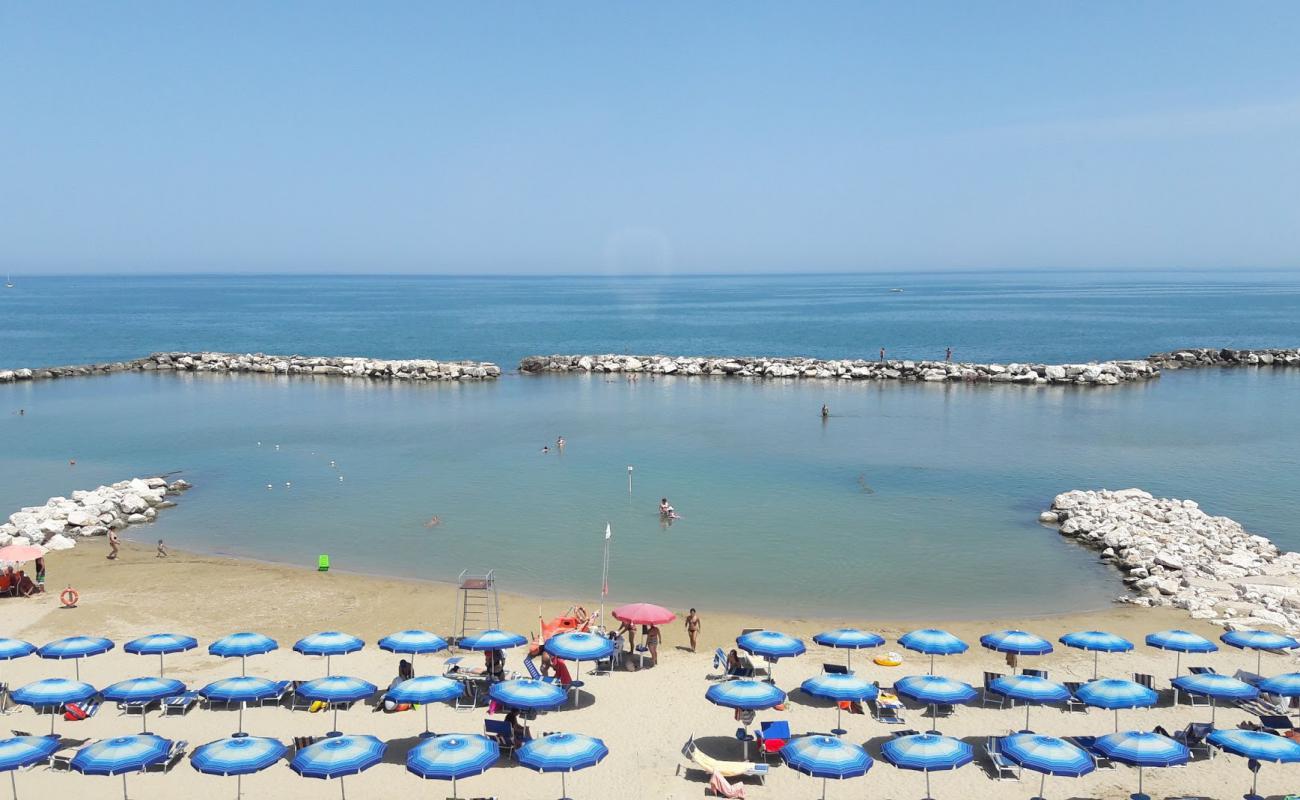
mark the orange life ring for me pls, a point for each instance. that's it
(69, 597)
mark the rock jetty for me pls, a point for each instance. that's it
(340, 366)
(1106, 373)
(1209, 357)
(1174, 554)
(61, 521)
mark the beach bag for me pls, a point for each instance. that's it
(73, 712)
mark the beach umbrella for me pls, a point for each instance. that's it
(826, 757)
(1256, 745)
(15, 648)
(527, 694)
(1114, 694)
(1047, 755)
(1098, 642)
(1018, 643)
(643, 614)
(849, 639)
(328, 644)
(932, 642)
(839, 688)
(1259, 641)
(25, 751)
(745, 695)
(241, 646)
(579, 646)
(20, 553)
(492, 640)
(933, 691)
(1216, 686)
(1141, 749)
(452, 757)
(413, 642)
(1180, 642)
(1287, 685)
(121, 755)
(75, 648)
(238, 756)
(144, 691)
(338, 757)
(927, 753)
(54, 694)
(562, 753)
(771, 646)
(1029, 689)
(160, 644)
(244, 689)
(425, 690)
(336, 689)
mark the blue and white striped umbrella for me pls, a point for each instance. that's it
(76, 648)
(1114, 694)
(121, 755)
(328, 644)
(452, 757)
(241, 646)
(743, 694)
(1287, 685)
(492, 640)
(527, 694)
(1097, 642)
(1179, 641)
(1258, 745)
(336, 689)
(579, 646)
(238, 756)
(1259, 641)
(1018, 642)
(413, 642)
(52, 694)
(927, 752)
(1215, 687)
(15, 648)
(770, 645)
(562, 753)
(244, 689)
(160, 644)
(23, 751)
(143, 691)
(934, 690)
(826, 757)
(338, 757)
(840, 688)
(425, 690)
(933, 642)
(849, 639)
(1142, 749)
(1029, 689)
(1047, 755)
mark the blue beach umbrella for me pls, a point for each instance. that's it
(1215, 687)
(1180, 642)
(53, 694)
(492, 640)
(771, 646)
(425, 690)
(1018, 643)
(745, 695)
(24, 751)
(336, 689)
(15, 648)
(579, 646)
(160, 644)
(338, 757)
(1047, 755)
(527, 694)
(142, 690)
(413, 642)
(241, 646)
(121, 755)
(926, 752)
(328, 644)
(1287, 685)
(244, 689)
(933, 642)
(238, 756)
(840, 688)
(1029, 689)
(562, 753)
(826, 757)
(1257, 745)
(849, 639)
(75, 648)
(1097, 642)
(1141, 749)
(1259, 641)
(934, 690)
(452, 757)
(1114, 694)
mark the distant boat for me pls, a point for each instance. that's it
(896, 290)
(9, 284)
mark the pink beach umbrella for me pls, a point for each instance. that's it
(644, 614)
(21, 553)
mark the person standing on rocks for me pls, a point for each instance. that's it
(948, 355)
(113, 543)
(882, 355)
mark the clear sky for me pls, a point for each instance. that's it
(647, 137)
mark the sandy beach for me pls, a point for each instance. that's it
(644, 716)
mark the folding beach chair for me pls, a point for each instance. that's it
(136, 707)
(1089, 745)
(835, 669)
(772, 735)
(180, 703)
(1034, 673)
(1074, 703)
(727, 769)
(1193, 738)
(500, 731)
(889, 714)
(992, 698)
(1002, 768)
(174, 756)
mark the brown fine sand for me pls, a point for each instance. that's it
(644, 716)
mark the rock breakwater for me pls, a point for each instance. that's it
(338, 366)
(59, 523)
(1224, 357)
(1175, 554)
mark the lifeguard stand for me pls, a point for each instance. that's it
(477, 607)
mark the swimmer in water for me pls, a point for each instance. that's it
(545, 450)
(826, 411)
(560, 442)
(433, 522)
(666, 510)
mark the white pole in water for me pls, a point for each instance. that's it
(604, 572)
(629, 479)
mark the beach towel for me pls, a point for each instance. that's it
(722, 788)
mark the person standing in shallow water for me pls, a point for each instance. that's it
(826, 411)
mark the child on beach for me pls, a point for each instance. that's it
(113, 543)
(162, 550)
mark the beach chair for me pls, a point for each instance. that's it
(452, 666)
(992, 698)
(1002, 768)
(902, 733)
(886, 713)
(4, 698)
(835, 669)
(174, 756)
(500, 732)
(727, 769)
(605, 666)
(61, 760)
(296, 701)
(1247, 677)
(1089, 745)
(772, 736)
(1034, 673)
(302, 742)
(851, 707)
(179, 703)
(136, 707)
(1202, 670)
(533, 673)
(1193, 738)
(1277, 723)
(75, 712)
(1074, 703)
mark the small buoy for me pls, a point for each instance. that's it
(287, 484)
(268, 486)
(340, 477)
(259, 444)
(277, 447)
(331, 463)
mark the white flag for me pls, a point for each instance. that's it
(607, 531)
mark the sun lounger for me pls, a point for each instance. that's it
(1002, 768)
(1193, 738)
(180, 703)
(836, 669)
(772, 736)
(1202, 670)
(1034, 673)
(851, 707)
(1089, 745)
(75, 712)
(302, 742)
(500, 731)
(992, 698)
(137, 707)
(174, 756)
(1247, 677)
(282, 690)
(887, 713)
(727, 769)
(1074, 703)
(902, 733)
(719, 786)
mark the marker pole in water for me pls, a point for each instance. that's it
(629, 479)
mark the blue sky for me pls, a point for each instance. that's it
(661, 137)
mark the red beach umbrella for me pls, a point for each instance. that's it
(21, 553)
(644, 614)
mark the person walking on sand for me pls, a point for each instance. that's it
(113, 543)
(693, 628)
(162, 550)
(652, 637)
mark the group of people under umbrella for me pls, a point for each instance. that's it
(832, 758)
(449, 757)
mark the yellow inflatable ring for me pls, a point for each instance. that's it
(890, 659)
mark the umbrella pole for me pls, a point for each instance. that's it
(927, 784)
(564, 789)
(123, 786)
(243, 665)
(839, 720)
(1042, 786)
(76, 664)
(1259, 660)
(932, 663)
(239, 786)
(426, 722)
(1139, 779)
(1026, 720)
(241, 716)
(849, 653)
(453, 788)
(1117, 720)
(1178, 663)
(1096, 659)
(13, 782)
(823, 789)
(1254, 784)
(343, 789)
(327, 666)
(52, 723)
(1213, 708)
(336, 717)
(934, 718)
(144, 719)
(160, 665)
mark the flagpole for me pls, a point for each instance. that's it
(604, 576)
